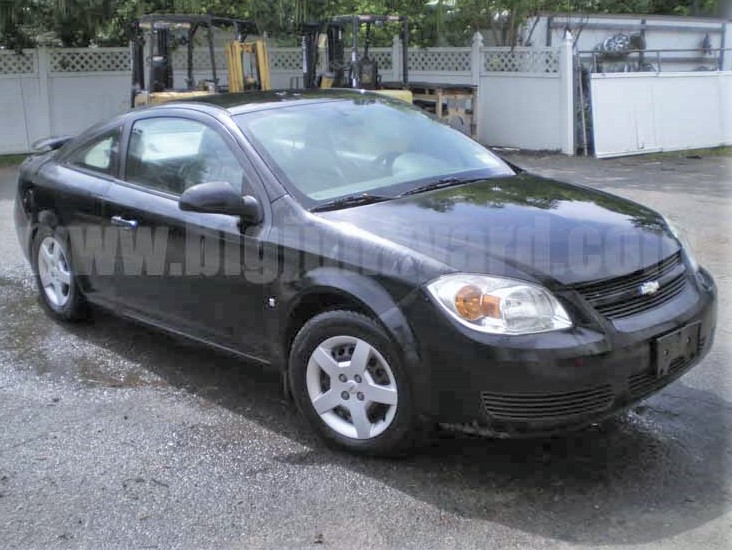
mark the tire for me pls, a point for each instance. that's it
(55, 277)
(348, 380)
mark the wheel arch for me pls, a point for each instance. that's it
(47, 217)
(44, 216)
(314, 301)
(38, 218)
(334, 288)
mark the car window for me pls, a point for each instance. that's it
(172, 154)
(100, 155)
(323, 151)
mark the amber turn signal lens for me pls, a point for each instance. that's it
(471, 304)
(490, 306)
(467, 302)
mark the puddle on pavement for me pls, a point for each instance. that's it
(32, 341)
(92, 376)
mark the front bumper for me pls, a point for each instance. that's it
(510, 386)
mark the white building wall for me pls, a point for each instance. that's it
(660, 32)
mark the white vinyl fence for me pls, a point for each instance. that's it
(524, 95)
(646, 112)
(60, 91)
(526, 98)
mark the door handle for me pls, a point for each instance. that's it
(121, 222)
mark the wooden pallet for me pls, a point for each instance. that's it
(449, 102)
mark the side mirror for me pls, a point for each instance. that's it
(218, 197)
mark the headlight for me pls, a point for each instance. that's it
(680, 235)
(499, 305)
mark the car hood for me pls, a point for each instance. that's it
(523, 225)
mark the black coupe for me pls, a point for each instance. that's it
(395, 271)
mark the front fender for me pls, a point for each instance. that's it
(372, 297)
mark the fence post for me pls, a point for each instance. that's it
(476, 66)
(476, 59)
(566, 75)
(43, 116)
(396, 59)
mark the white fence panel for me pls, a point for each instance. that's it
(440, 65)
(89, 60)
(85, 86)
(525, 98)
(33, 102)
(646, 112)
(80, 100)
(520, 110)
(23, 63)
(15, 94)
(521, 60)
(285, 67)
(446, 77)
(19, 101)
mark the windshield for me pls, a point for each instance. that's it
(335, 149)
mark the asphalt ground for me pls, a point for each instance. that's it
(115, 436)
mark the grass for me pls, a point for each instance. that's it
(724, 151)
(11, 160)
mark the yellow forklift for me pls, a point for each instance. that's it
(326, 65)
(154, 38)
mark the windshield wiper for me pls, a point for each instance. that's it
(353, 200)
(439, 184)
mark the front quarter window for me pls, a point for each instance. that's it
(172, 154)
(333, 149)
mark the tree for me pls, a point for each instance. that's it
(24, 23)
(67, 22)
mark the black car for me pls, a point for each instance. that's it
(395, 271)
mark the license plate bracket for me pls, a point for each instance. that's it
(682, 343)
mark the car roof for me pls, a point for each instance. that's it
(238, 103)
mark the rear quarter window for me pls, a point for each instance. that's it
(98, 155)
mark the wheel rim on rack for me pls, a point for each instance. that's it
(352, 387)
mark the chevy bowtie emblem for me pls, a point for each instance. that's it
(649, 287)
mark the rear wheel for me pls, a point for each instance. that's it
(54, 274)
(349, 383)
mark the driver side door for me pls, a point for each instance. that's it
(183, 270)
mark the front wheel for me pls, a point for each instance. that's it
(349, 383)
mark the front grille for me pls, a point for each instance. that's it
(621, 296)
(548, 406)
(645, 383)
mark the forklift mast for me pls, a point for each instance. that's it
(151, 45)
(360, 70)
